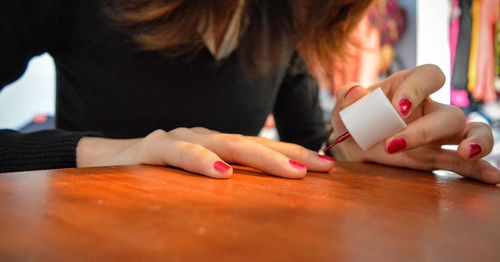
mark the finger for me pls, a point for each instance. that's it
(347, 95)
(478, 169)
(430, 159)
(202, 130)
(161, 148)
(312, 160)
(411, 87)
(441, 123)
(478, 141)
(237, 148)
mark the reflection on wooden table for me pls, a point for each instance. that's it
(356, 212)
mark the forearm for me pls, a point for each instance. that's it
(39, 150)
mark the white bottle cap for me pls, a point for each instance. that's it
(371, 119)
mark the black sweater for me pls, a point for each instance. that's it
(106, 85)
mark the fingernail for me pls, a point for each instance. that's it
(396, 145)
(297, 165)
(351, 89)
(405, 106)
(326, 158)
(475, 150)
(221, 167)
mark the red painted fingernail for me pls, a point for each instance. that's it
(221, 167)
(405, 106)
(475, 150)
(326, 158)
(297, 165)
(396, 145)
(351, 89)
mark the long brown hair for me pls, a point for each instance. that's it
(317, 30)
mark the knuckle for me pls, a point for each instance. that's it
(458, 118)
(455, 163)
(486, 135)
(428, 165)
(159, 132)
(483, 128)
(419, 92)
(349, 85)
(193, 152)
(458, 113)
(263, 140)
(156, 135)
(179, 131)
(436, 73)
(203, 130)
(453, 121)
(422, 137)
(431, 162)
(476, 124)
(189, 147)
(270, 153)
(234, 140)
(299, 150)
(415, 159)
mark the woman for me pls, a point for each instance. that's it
(127, 68)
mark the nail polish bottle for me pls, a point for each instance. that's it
(371, 119)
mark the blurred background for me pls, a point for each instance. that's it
(462, 37)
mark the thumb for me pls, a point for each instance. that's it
(349, 94)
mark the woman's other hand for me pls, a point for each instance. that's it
(430, 126)
(203, 151)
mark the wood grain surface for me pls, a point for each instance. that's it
(357, 212)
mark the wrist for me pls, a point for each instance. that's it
(95, 151)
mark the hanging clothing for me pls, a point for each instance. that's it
(485, 71)
(497, 55)
(454, 30)
(458, 97)
(474, 47)
(461, 66)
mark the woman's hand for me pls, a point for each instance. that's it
(430, 125)
(203, 151)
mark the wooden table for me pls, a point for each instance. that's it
(356, 212)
